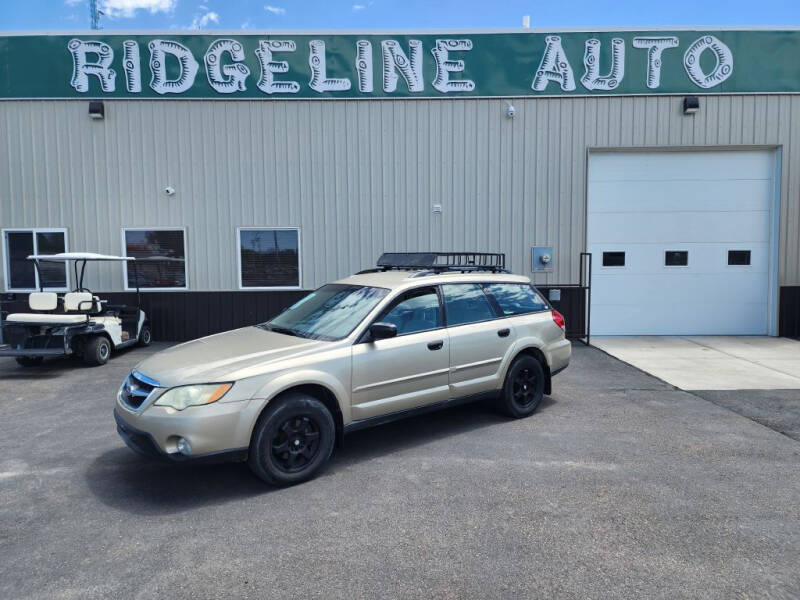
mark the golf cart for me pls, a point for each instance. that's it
(76, 323)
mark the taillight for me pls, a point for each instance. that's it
(558, 319)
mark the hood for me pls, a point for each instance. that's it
(217, 357)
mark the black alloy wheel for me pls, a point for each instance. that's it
(295, 444)
(292, 440)
(523, 388)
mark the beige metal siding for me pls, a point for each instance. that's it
(358, 177)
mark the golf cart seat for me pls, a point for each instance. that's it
(83, 302)
(43, 301)
(45, 318)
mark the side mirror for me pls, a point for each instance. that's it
(381, 331)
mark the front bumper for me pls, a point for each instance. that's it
(218, 435)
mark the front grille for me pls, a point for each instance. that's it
(136, 389)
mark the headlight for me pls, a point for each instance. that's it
(193, 395)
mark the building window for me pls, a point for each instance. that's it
(676, 258)
(161, 258)
(613, 259)
(20, 273)
(269, 258)
(738, 258)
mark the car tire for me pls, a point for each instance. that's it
(523, 388)
(292, 440)
(145, 336)
(30, 361)
(97, 350)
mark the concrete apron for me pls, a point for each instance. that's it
(711, 362)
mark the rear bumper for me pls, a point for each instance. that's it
(143, 443)
(560, 353)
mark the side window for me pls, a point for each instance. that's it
(415, 311)
(515, 298)
(466, 303)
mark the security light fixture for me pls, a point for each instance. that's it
(97, 110)
(691, 104)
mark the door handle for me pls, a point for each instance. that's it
(504, 332)
(437, 345)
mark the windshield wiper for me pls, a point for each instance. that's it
(284, 330)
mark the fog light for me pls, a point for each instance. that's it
(184, 447)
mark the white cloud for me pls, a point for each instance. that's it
(247, 24)
(275, 10)
(202, 21)
(73, 2)
(358, 7)
(127, 8)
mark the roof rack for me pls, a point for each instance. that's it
(436, 262)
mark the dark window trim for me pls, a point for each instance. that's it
(749, 257)
(676, 266)
(491, 301)
(549, 307)
(365, 336)
(624, 259)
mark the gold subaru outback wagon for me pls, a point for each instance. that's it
(420, 332)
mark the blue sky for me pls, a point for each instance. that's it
(391, 14)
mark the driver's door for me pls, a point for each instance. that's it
(407, 371)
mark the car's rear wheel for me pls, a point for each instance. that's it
(30, 361)
(523, 388)
(292, 440)
(97, 350)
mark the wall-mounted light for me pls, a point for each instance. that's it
(691, 104)
(97, 110)
(510, 110)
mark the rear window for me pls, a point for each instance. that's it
(516, 298)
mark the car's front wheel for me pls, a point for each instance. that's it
(523, 388)
(292, 440)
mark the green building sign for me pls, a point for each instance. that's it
(408, 65)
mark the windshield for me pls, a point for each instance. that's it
(329, 313)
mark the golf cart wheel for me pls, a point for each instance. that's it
(523, 388)
(145, 336)
(30, 361)
(97, 350)
(292, 440)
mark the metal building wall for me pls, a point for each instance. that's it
(358, 177)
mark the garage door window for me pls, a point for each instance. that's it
(676, 258)
(613, 259)
(21, 273)
(161, 258)
(269, 258)
(738, 258)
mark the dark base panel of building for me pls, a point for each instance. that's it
(789, 314)
(182, 316)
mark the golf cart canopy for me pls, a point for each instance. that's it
(65, 256)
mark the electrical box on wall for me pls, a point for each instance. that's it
(542, 259)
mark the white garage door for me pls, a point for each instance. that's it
(680, 242)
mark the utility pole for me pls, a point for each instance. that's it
(94, 14)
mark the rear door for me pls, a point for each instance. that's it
(479, 339)
(407, 371)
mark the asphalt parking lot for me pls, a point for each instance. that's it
(620, 486)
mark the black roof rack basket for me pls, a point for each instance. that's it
(444, 261)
